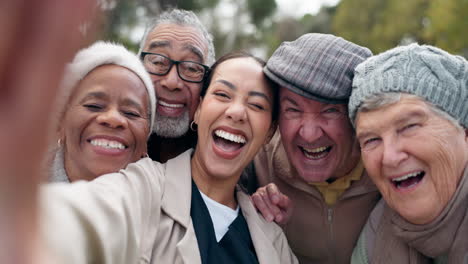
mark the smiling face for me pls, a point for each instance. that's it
(234, 120)
(106, 124)
(318, 138)
(414, 156)
(177, 99)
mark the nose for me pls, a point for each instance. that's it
(237, 112)
(171, 80)
(393, 153)
(112, 118)
(311, 129)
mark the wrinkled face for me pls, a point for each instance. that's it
(106, 124)
(414, 156)
(318, 138)
(177, 99)
(233, 119)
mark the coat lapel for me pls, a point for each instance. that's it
(262, 235)
(188, 247)
(176, 199)
(176, 203)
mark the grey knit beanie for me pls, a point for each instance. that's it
(426, 71)
(317, 66)
(98, 54)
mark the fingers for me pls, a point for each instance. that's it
(263, 204)
(281, 202)
(272, 204)
(273, 193)
(286, 207)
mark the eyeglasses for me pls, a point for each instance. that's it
(160, 65)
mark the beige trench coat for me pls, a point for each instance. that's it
(140, 215)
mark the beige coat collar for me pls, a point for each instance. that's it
(176, 203)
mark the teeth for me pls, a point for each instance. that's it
(319, 156)
(231, 137)
(315, 150)
(107, 144)
(404, 177)
(170, 105)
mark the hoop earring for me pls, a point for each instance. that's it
(192, 124)
(59, 142)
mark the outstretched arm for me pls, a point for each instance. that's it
(37, 39)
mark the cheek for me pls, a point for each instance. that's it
(446, 170)
(372, 164)
(72, 126)
(342, 134)
(288, 128)
(140, 131)
(443, 154)
(193, 99)
(156, 79)
(262, 125)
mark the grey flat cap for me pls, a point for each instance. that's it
(317, 66)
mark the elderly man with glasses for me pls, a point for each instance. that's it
(176, 38)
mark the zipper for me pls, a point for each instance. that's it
(330, 230)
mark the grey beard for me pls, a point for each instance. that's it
(171, 127)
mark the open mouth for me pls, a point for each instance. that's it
(316, 153)
(170, 109)
(107, 144)
(160, 102)
(409, 180)
(228, 142)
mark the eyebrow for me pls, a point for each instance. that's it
(97, 95)
(251, 93)
(195, 51)
(165, 43)
(399, 120)
(289, 100)
(159, 44)
(254, 93)
(228, 84)
(362, 135)
(130, 102)
(104, 96)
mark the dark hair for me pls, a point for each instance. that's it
(242, 54)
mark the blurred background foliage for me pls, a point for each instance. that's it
(256, 26)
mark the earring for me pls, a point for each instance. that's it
(192, 124)
(59, 142)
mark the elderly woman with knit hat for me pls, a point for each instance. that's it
(410, 109)
(105, 113)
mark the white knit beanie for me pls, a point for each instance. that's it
(98, 54)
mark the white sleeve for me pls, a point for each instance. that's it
(107, 220)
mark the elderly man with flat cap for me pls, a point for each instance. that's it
(314, 158)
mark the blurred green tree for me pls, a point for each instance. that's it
(447, 24)
(254, 25)
(381, 25)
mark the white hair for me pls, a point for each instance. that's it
(380, 100)
(182, 18)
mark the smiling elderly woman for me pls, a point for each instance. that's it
(410, 107)
(104, 113)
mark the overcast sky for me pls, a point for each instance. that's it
(298, 8)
